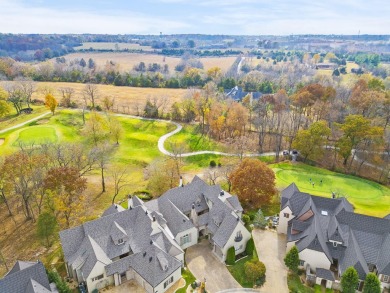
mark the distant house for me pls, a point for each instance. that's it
(27, 277)
(330, 66)
(238, 94)
(330, 237)
(146, 242)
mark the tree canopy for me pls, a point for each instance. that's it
(349, 280)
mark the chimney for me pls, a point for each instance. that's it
(333, 195)
(193, 206)
(154, 218)
(181, 182)
(129, 202)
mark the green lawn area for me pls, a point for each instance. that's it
(295, 285)
(192, 140)
(238, 272)
(318, 289)
(13, 119)
(37, 135)
(368, 197)
(189, 278)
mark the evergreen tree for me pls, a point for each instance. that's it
(349, 280)
(291, 259)
(372, 284)
(259, 220)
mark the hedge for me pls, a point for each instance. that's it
(231, 256)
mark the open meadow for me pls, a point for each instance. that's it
(366, 196)
(111, 46)
(127, 61)
(127, 99)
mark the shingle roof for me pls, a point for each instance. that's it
(225, 230)
(20, 265)
(365, 239)
(235, 203)
(20, 280)
(324, 274)
(113, 209)
(153, 264)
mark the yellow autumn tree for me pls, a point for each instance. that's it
(51, 103)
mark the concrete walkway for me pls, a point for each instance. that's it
(203, 264)
(271, 248)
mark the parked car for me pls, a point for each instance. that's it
(286, 153)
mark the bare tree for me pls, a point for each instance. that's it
(91, 93)
(120, 179)
(27, 87)
(67, 94)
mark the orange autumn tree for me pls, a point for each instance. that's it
(254, 183)
(51, 102)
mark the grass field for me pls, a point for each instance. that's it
(14, 119)
(368, 197)
(37, 135)
(127, 61)
(111, 46)
(126, 98)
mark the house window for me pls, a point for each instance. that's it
(238, 237)
(167, 282)
(286, 215)
(185, 239)
(386, 279)
(334, 244)
(97, 278)
(301, 263)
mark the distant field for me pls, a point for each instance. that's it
(129, 97)
(111, 46)
(127, 61)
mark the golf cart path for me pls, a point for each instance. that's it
(24, 123)
(179, 127)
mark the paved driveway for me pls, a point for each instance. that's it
(203, 264)
(271, 248)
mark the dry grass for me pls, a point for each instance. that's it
(111, 46)
(129, 97)
(127, 61)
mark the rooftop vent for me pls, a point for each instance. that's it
(193, 206)
(130, 208)
(146, 212)
(222, 193)
(150, 259)
(116, 207)
(324, 213)
(154, 218)
(151, 242)
(144, 254)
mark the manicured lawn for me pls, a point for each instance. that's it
(192, 139)
(318, 289)
(189, 278)
(36, 135)
(13, 119)
(295, 285)
(238, 272)
(367, 197)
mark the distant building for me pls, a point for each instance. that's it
(330, 237)
(238, 94)
(329, 66)
(146, 242)
(27, 277)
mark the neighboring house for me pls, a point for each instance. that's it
(27, 277)
(146, 242)
(330, 66)
(330, 237)
(238, 94)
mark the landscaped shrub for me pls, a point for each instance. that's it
(250, 246)
(246, 219)
(231, 256)
(60, 284)
(213, 164)
(255, 271)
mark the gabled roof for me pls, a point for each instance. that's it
(153, 264)
(324, 274)
(225, 230)
(20, 265)
(26, 278)
(113, 209)
(364, 239)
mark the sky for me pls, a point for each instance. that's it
(229, 17)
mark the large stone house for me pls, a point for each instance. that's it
(146, 242)
(27, 277)
(330, 237)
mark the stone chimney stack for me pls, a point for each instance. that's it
(194, 216)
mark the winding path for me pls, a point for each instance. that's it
(24, 123)
(179, 127)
